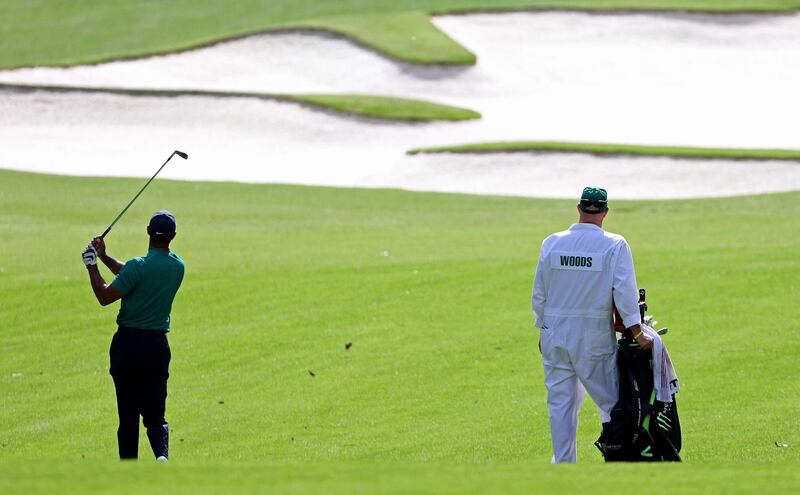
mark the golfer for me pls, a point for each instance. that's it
(581, 272)
(139, 352)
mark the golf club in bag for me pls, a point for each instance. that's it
(642, 428)
(176, 152)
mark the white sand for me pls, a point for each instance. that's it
(632, 78)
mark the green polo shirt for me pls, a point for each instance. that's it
(148, 286)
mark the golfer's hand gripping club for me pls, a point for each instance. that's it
(176, 152)
(100, 245)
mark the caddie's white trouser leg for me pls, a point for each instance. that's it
(564, 399)
(577, 354)
(601, 379)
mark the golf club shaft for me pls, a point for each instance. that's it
(182, 155)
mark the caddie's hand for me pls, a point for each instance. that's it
(100, 245)
(89, 256)
(645, 341)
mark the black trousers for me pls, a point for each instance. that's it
(140, 368)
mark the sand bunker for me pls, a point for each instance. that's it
(635, 78)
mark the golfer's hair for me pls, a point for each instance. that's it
(160, 239)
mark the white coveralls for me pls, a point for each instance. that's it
(580, 271)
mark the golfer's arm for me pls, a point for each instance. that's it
(113, 264)
(105, 293)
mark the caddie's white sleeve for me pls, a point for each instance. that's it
(538, 299)
(626, 292)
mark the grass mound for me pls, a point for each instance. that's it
(376, 107)
(615, 149)
(441, 390)
(388, 108)
(89, 31)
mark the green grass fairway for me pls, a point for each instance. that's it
(615, 149)
(69, 32)
(441, 391)
(375, 107)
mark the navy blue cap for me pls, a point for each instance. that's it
(162, 224)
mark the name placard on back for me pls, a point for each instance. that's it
(586, 262)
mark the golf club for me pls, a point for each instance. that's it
(176, 152)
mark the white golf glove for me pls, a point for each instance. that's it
(90, 256)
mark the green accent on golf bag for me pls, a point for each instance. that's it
(646, 422)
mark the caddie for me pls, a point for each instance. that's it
(581, 273)
(140, 353)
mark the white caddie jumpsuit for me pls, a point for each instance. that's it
(579, 273)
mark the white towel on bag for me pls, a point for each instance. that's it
(665, 380)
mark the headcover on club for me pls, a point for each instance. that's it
(162, 225)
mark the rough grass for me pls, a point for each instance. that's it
(441, 391)
(376, 107)
(71, 32)
(615, 149)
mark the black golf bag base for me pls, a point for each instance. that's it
(641, 429)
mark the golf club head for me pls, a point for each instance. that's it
(182, 154)
(663, 331)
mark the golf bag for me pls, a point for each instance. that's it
(642, 429)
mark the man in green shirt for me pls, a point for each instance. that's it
(139, 351)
